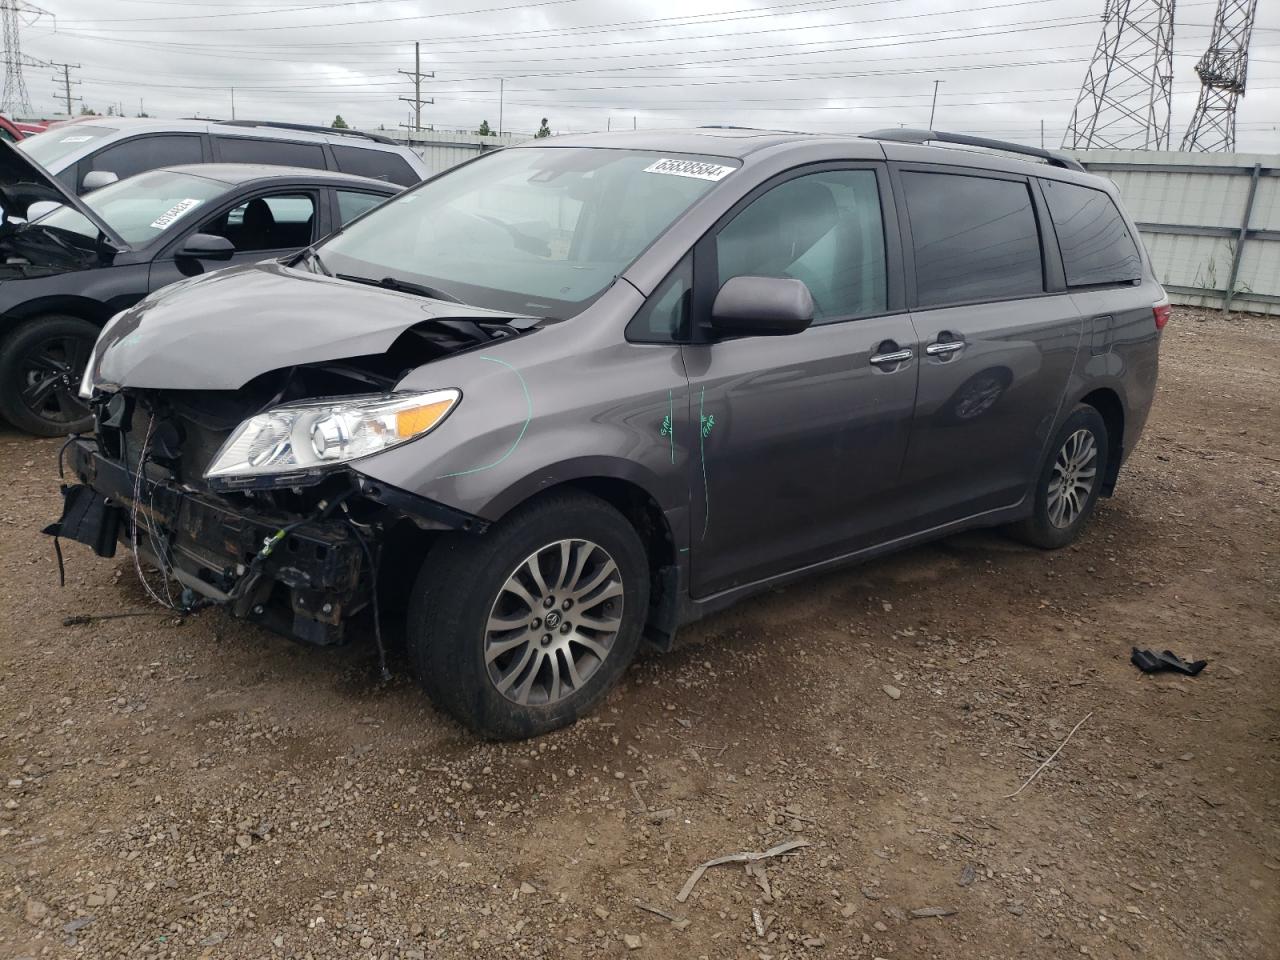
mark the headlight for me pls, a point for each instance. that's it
(299, 441)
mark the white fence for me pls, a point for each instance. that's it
(1211, 222)
(442, 149)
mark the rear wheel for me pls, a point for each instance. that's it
(1070, 482)
(522, 630)
(41, 364)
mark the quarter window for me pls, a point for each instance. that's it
(825, 229)
(665, 316)
(1095, 243)
(378, 164)
(974, 238)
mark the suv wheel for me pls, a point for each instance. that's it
(1069, 483)
(41, 364)
(522, 630)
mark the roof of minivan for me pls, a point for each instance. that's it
(739, 143)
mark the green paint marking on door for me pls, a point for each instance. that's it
(702, 450)
(668, 426)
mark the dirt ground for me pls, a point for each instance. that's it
(205, 789)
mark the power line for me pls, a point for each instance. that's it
(417, 76)
(66, 82)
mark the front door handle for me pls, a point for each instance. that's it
(896, 356)
(944, 347)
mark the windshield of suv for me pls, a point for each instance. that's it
(531, 231)
(51, 146)
(140, 208)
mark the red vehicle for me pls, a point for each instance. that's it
(11, 131)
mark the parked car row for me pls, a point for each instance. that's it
(586, 390)
(146, 218)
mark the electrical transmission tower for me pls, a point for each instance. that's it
(1222, 72)
(1124, 102)
(15, 98)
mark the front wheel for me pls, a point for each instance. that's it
(41, 364)
(523, 629)
(1070, 482)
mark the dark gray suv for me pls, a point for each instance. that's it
(591, 389)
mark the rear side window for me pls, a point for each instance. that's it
(351, 204)
(141, 154)
(974, 238)
(379, 164)
(285, 153)
(1095, 243)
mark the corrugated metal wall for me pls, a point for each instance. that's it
(1191, 209)
(441, 149)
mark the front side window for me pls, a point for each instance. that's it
(540, 231)
(975, 238)
(825, 229)
(142, 208)
(1095, 243)
(278, 222)
(140, 154)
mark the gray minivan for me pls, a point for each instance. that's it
(590, 389)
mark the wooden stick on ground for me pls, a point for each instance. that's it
(777, 851)
(1010, 796)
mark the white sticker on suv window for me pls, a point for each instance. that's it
(690, 168)
(75, 139)
(173, 213)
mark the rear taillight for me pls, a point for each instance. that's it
(1161, 312)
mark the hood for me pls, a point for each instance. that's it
(24, 182)
(218, 332)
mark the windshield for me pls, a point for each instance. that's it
(140, 208)
(530, 231)
(50, 147)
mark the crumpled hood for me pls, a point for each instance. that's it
(219, 331)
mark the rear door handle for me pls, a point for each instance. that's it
(896, 356)
(946, 344)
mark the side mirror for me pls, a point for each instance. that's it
(207, 246)
(40, 208)
(761, 307)
(97, 178)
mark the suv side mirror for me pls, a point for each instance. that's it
(761, 307)
(207, 246)
(98, 178)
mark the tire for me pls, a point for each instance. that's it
(41, 363)
(524, 686)
(1079, 450)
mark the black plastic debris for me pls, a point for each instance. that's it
(1149, 662)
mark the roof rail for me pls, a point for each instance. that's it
(908, 135)
(309, 128)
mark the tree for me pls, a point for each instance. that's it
(484, 130)
(339, 123)
(543, 131)
(87, 111)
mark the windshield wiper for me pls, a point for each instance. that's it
(310, 254)
(402, 286)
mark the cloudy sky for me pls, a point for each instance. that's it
(831, 65)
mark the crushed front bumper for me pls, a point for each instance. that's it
(311, 578)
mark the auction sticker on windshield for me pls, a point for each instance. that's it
(173, 213)
(690, 168)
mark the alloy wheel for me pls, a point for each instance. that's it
(554, 622)
(1074, 472)
(50, 376)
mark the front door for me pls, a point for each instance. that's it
(261, 227)
(800, 438)
(998, 340)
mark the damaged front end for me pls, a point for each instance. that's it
(252, 498)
